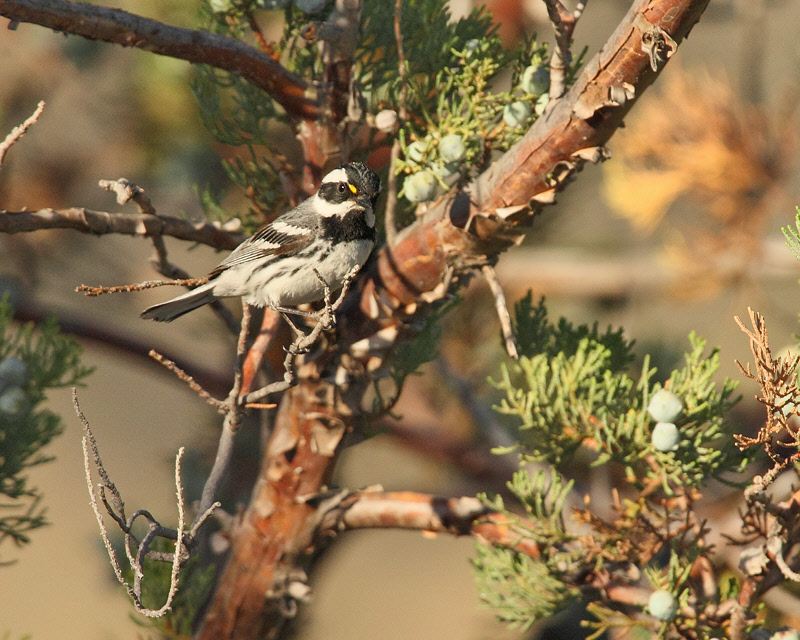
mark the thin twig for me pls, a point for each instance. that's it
(19, 131)
(390, 222)
(139, 286)
(564, 22)
(219, 405)
(502, 311)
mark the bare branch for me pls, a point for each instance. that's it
(138, 286)
(422, 512)
(116, 509)
(257, 351)
(120, 27)
(779, 392)
(564, 23)
(21, 130)
(220, 406)
(502, 310)
(391, 199)
(132, 224)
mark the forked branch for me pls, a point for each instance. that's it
(137, 550)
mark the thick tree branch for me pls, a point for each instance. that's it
(422, 512)
(298, 97)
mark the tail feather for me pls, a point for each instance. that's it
(175, 308)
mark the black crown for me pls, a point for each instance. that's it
(363, 178)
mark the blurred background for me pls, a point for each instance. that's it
(680, 231)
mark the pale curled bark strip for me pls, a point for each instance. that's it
(120, 27)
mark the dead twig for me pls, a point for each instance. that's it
(502, 310)
(225, 236)
(255, 354)
(127, 191)
(779, 392)
(136, 550)
(19, 131)
(564, 23)
(391, 198)
(138, 286)
(220, 406)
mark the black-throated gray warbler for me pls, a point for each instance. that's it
(333, 232)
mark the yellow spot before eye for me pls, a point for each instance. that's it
(352, 188)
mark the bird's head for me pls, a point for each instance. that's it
(352, 186)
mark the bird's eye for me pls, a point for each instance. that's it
(342, 187)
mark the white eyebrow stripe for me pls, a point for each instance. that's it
(289, 229)
(337, 175)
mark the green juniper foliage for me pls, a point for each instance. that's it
(792, 236)
(571, 390)
(571, 386)
(32, 360)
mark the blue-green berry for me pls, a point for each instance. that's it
(220, 6)
(665, 436)
(271, 5)
(445, 169)
(663, 605)
(13, 401)
(472, 45)
(785, 633)
(665, 406)
(13, 372)
(420, 186)
(536, 80)
(310, 6)
(452, 148)
(416, 151)
(517, 113)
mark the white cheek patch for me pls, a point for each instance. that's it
(337, 175)
(329, 209)
(289, 229)
(370, 218)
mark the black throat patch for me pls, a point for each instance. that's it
(353, 226)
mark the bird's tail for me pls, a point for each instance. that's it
(175, 308)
